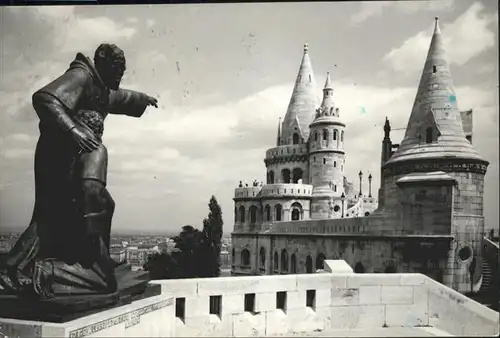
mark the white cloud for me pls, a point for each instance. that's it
(17, 153)
(87, 33)
(368, 10)
(75, 33)
(417, 6)
(376, 8)
(203, 125)
(20, 137)
(54, 12)
(464, 38)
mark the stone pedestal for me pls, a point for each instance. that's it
(149, 317)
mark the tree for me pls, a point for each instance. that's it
(197, 252)
(212, 231)
(161, 266)
(190, 258)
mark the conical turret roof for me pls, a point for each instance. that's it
(327, 112)
(435, 110)
(303, 102)
(328, 93)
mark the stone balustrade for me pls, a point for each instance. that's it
(321, 226)
(281, 305)
(286, 190)
(247, 192)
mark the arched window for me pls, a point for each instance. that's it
(320, 261)
(284, 261)
(277, 212)
(296, 211)
(276, 261)
(253, 214)
(359, 268)
(245, 257)
(335, 134)
(285, 173)
(267, 210)
(296, 139)
(235, 214)
(297, 174)
(325, 135)
(428, 135)
(242, 214)
(293, 264)
(342, 136)
(315, 135)
(271, 177)
(309, 264)
(233, 256)
(262, 257)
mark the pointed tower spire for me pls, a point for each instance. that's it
(435, 129)
(303, 102)
(327, 105)
(436, 25)
(328, 82)
(278, 140)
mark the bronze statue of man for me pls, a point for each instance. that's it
(65, 249)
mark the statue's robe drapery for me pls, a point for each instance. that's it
(59, 243)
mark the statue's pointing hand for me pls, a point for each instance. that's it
(152, 101)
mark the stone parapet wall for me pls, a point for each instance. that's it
(286, 190)
(341, 301)
(279, 305)
(247, 192)
(370, 225)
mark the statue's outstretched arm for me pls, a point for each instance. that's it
(129, 102)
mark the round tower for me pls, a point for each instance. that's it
(326, 158)
(286, 196)
(435, 148)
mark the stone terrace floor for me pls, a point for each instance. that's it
(382, 332)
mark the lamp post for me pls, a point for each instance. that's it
(370, 185)
(360, 183)
(342, 198)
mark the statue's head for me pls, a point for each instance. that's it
(109, 61)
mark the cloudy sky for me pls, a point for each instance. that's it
(223, 74)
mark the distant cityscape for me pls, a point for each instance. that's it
(133, 249)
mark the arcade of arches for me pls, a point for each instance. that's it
(287, 176)
(282, 262)
(268, 214)
(326, 135)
